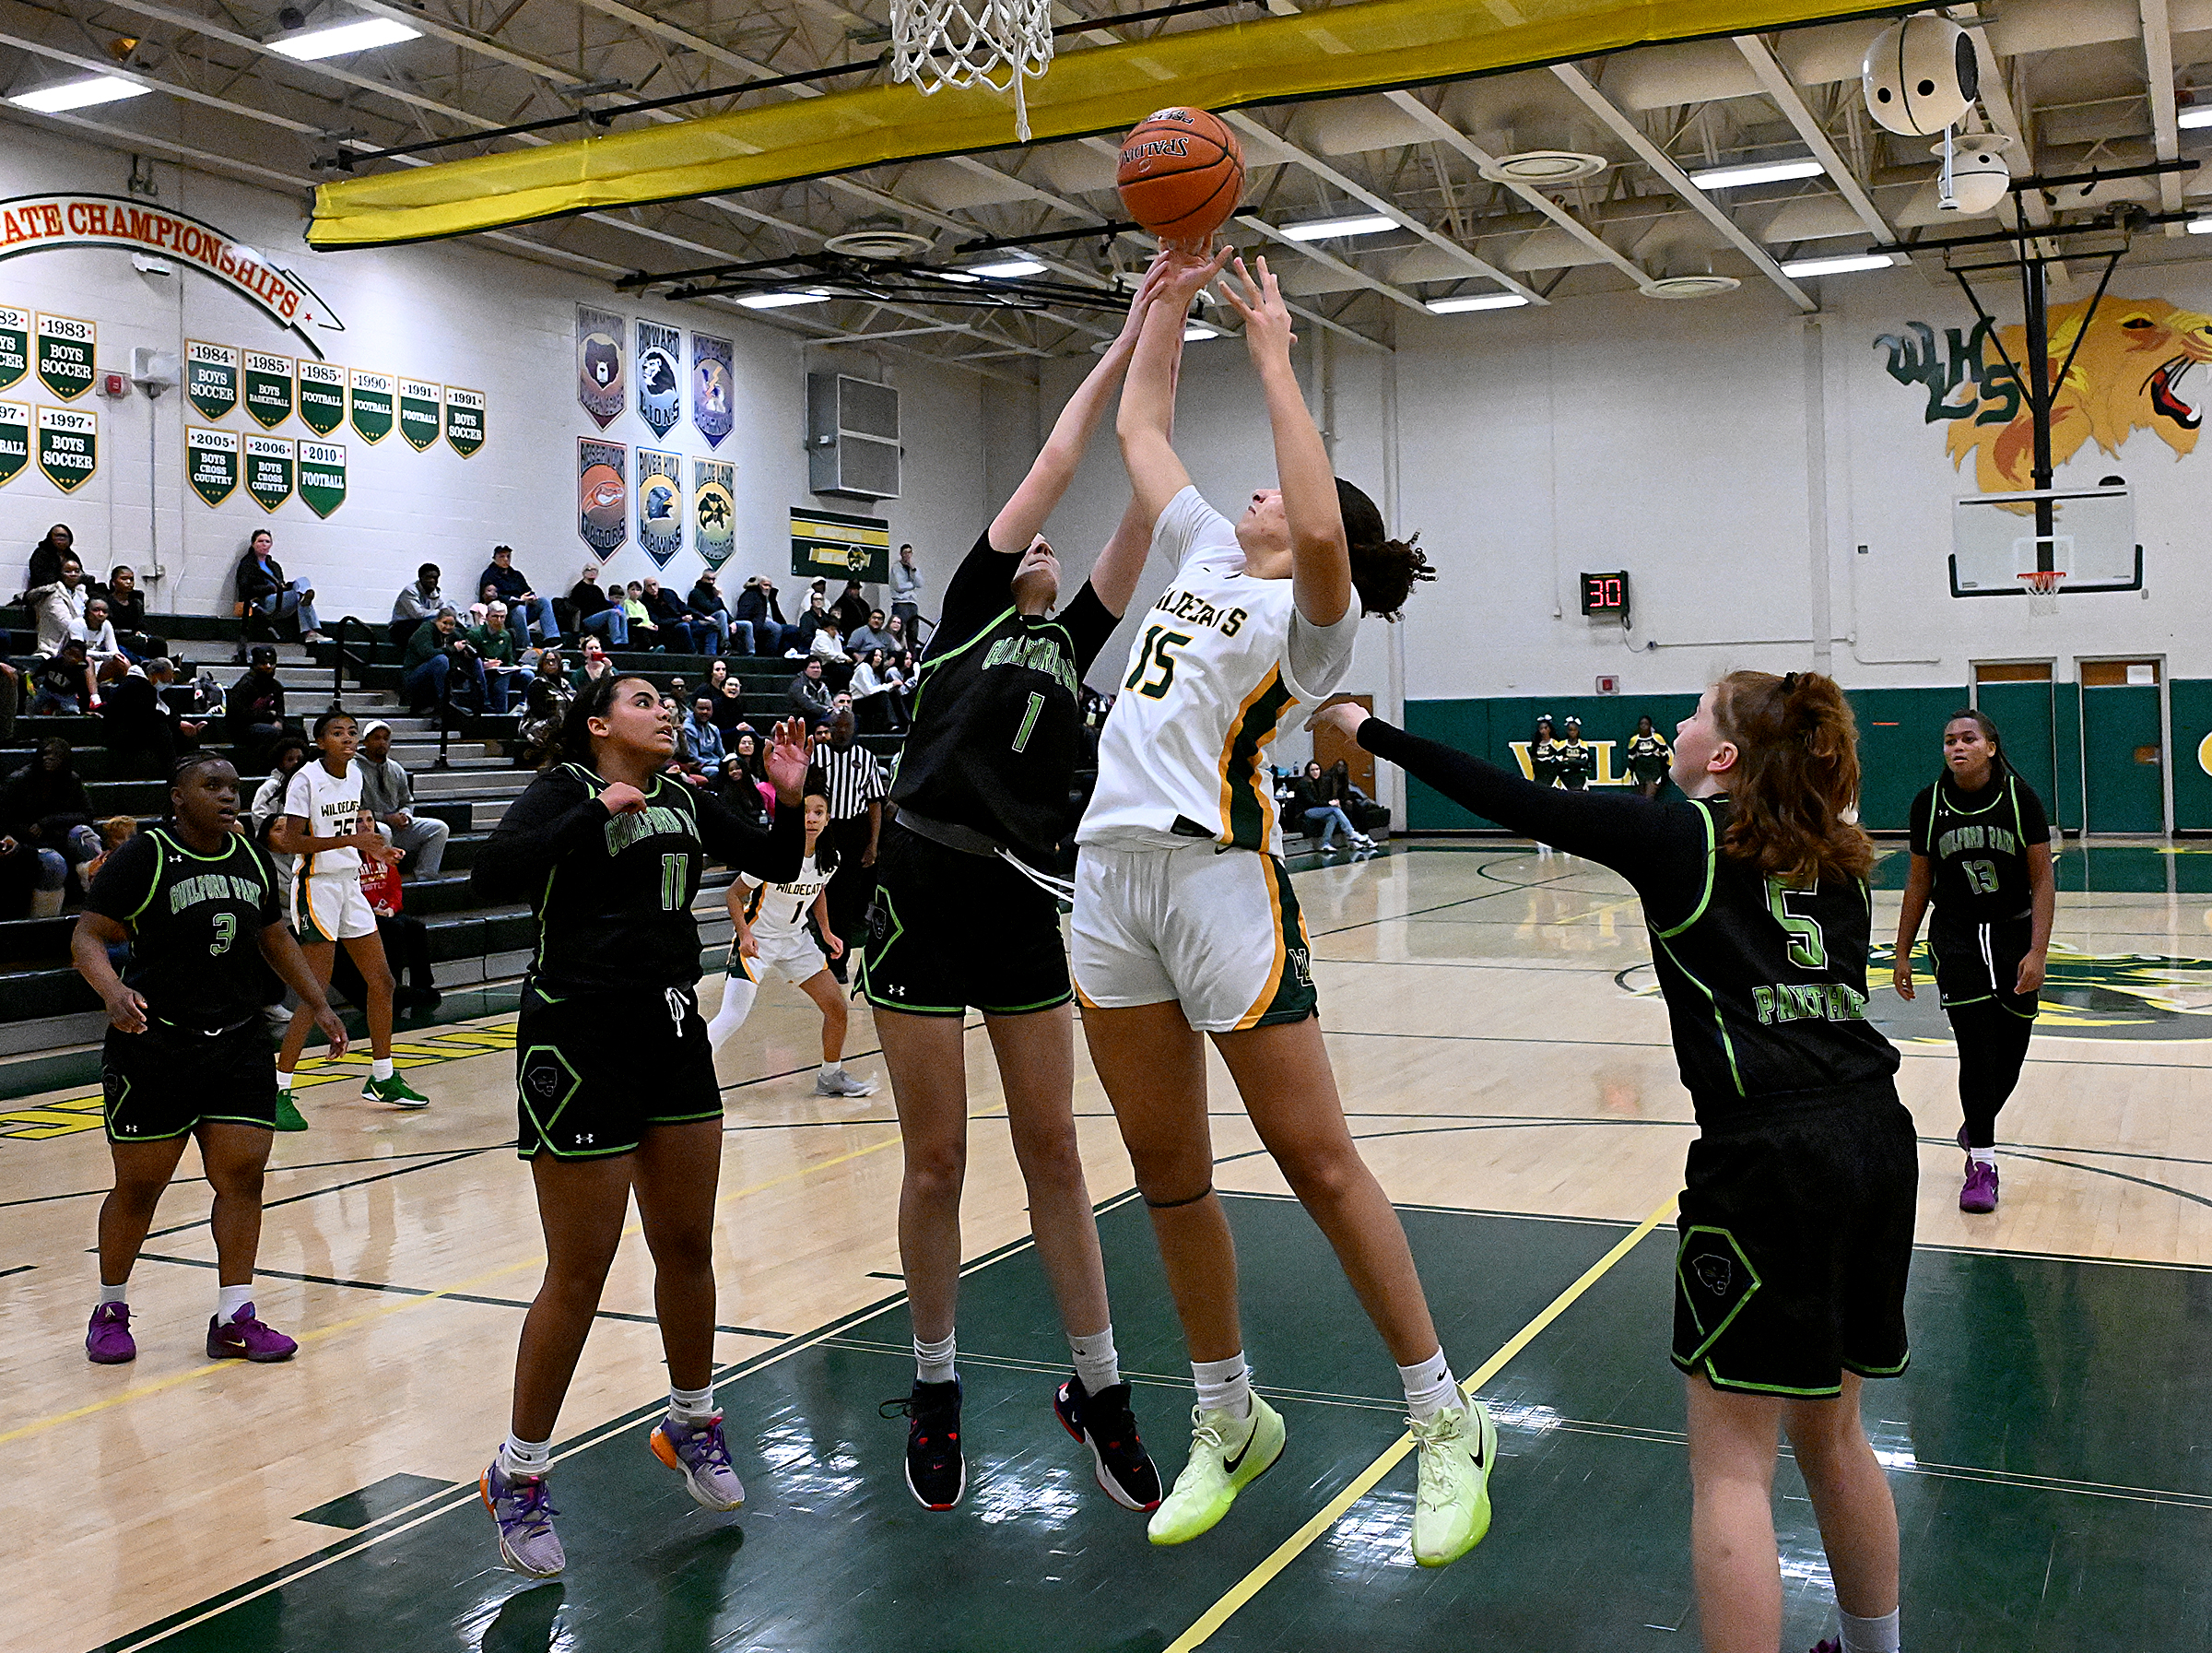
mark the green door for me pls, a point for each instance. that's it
(2023, 713)
(2123, 759)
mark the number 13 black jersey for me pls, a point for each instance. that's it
(1979, 843)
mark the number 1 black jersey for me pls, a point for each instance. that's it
(195, 924)
(1979, 843)
(612, 893)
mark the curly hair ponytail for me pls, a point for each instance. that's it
(1384, 570)
(1796, 774)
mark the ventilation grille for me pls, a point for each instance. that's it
(852, 437)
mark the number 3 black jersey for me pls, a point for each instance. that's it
(997, 722)
(1979, 843)
(1765, 984)
(195, 924)
(612, 893)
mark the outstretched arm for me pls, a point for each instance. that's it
(1146, 422)
(1114, 575)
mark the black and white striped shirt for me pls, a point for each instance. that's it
(853, 779)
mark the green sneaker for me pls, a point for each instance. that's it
(1452, 1509)
(396, 1092)
(1228, 1453)
(287, 1117)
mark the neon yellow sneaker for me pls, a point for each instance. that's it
(1452, 1507)
(287, 1117)
(1228, 1453)
(394, 1092)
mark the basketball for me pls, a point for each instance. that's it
(1181, 173)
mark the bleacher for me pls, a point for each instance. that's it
(467, 780)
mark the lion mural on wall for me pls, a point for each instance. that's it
(2126, 377)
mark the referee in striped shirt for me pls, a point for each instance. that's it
(855, 783)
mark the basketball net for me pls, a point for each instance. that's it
(997, 43)
(2043, 590)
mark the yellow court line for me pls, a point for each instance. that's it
(1221, 1612)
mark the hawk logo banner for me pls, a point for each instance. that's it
(422, 412)
(268, 389)
(270, 465)
(464, 420)
(210, 378)
(322, 477)
(599, 385)
(211, 462)
(660, 505)
(659, 376)
(15, 439)
(321, 395)
(831, 545)
(371, 406)
(15, 345)
(68, 446)
(713, 510)
(711, 387)
(65, 355)
(602, 494)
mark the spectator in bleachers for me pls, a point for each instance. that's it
(1314, 797)
(253, 708)
(729, 699)
(101, 644)
(416, 604)
(61, 683)
(545, 706)
(740, 786)
(811, 620)
(285, 758)
(706, 602)
(533, 614)
(758, 607)
(494, 641)
(872, 634)
(11, 699)
(388, 796)
(114, 832)
(126, 609)
(45, 811)
(899, 636)
(828, 647)
(548, 665)
(260, 584)
(438, 651)
(681, 630)
(809, 696)
(852, 608)
(47, 556)
(595, 663)
(880, 709)
(704, 735)
(143, 735)
(644, 633)
(906, 590)
(595, 613)
(58, 607)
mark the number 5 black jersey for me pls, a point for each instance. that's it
(1979, 843)
(612, 893)
(195, 924)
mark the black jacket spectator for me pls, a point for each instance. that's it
(254, 709)
(44, 798)
(756, 603)
(809, 695)
(256, 580)
(510, 579)
(852, 610)
(705, 598)
(47, 555)
(141, 731)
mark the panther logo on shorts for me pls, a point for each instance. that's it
(543, 1080)
(1714, 1273)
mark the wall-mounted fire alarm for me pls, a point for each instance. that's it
(115, 386)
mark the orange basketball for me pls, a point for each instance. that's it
(1181, 173)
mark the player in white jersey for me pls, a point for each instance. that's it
(770, 921)
(1185, 924)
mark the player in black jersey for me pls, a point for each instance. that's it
(1797, 1222)
(187, 1054)
(966, 915)
(616, 1090)
(1982, 852)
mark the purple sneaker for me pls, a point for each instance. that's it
(702, 1457)
(246, 1338)
(1980, 1194)
(107, 1339)
(1830, 1646)
(524, 1508)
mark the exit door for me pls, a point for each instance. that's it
(2018, 697)
(2123, 746)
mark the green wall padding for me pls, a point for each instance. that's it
(2191, 705)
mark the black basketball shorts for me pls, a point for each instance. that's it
(594, 1071)
(1796, 1238)
(948, 930)
(1980, 963)
(168, 1080)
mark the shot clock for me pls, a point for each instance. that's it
(1607, 596)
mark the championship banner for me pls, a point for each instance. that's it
(710, 386)
(211, 462)
(321, 476)
(210, 378)
(830, 545)
(713, 510)
(422, 412)
(602, 494)
(68, 446)
(599, 385)
(15, 345)
(268, 389)
(65, 355)
(270, 464)
(321, 395)
(15, 439)
(464, 420)
(371, 406)
(660, 505)
(659, 376)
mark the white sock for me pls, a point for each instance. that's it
(832, 1070)
(1224, 1385)
(737, 995)
(933, 1362)
(380, 1068)
(691, 1405)
(1097, 1364)
(284, 1079)
(1870, 1635)
(229, 1300)
(108, 1294)
(1982, 1156)
(518, 1457)
(1429, 1387)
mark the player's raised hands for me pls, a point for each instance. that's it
(1344, 717)
(1267, 318)
(788, 757)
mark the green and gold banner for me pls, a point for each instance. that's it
(321, 476)
(420, 413)
(15, 439)
(321, 395)
(65, 355)
(268, 382)
(210, 378)
(270, 464)
(211, 462)
(371, 406)
(832, 545)
(464, 420)
(15, 345)
(714, 510)
(68, 446)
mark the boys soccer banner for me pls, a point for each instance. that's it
(68, 446)
(321, 395)
(711, 387)
(15, 345)
(322, 477)
(210, 378)
(660, 505)
(464, 420)
(602, 493)
(211, 462)
(422, 412)
(659, 376)
(15, 439)
(268, 382)
(270, 463)
(371, 406)
(714, 510)
(599, 388)
(831, 545)
(65, 348)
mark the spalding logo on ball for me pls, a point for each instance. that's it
(1181, 173)
(1920, 76)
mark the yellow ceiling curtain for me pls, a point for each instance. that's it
(1365, 47)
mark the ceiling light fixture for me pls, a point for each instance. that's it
(335, 40)
(79, 94)
(1370, 223)
(1543, 168)
(1764, 171)
(1843, 265)
(1476, 302)
(813, 295)
(1007, 267)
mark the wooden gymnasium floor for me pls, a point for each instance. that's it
(1501, 1054)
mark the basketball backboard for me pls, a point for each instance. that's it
(2086, 534)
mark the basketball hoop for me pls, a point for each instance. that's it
(997, 43)
(2043, 590)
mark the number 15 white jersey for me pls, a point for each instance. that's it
(1210, 684)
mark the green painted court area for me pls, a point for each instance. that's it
(2043, 1447)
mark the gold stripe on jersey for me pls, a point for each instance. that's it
(1247, 801)
(752, 906)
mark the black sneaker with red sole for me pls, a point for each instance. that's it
(936, 1473)
(1105, 1422)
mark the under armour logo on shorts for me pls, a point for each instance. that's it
(1714, 1273)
